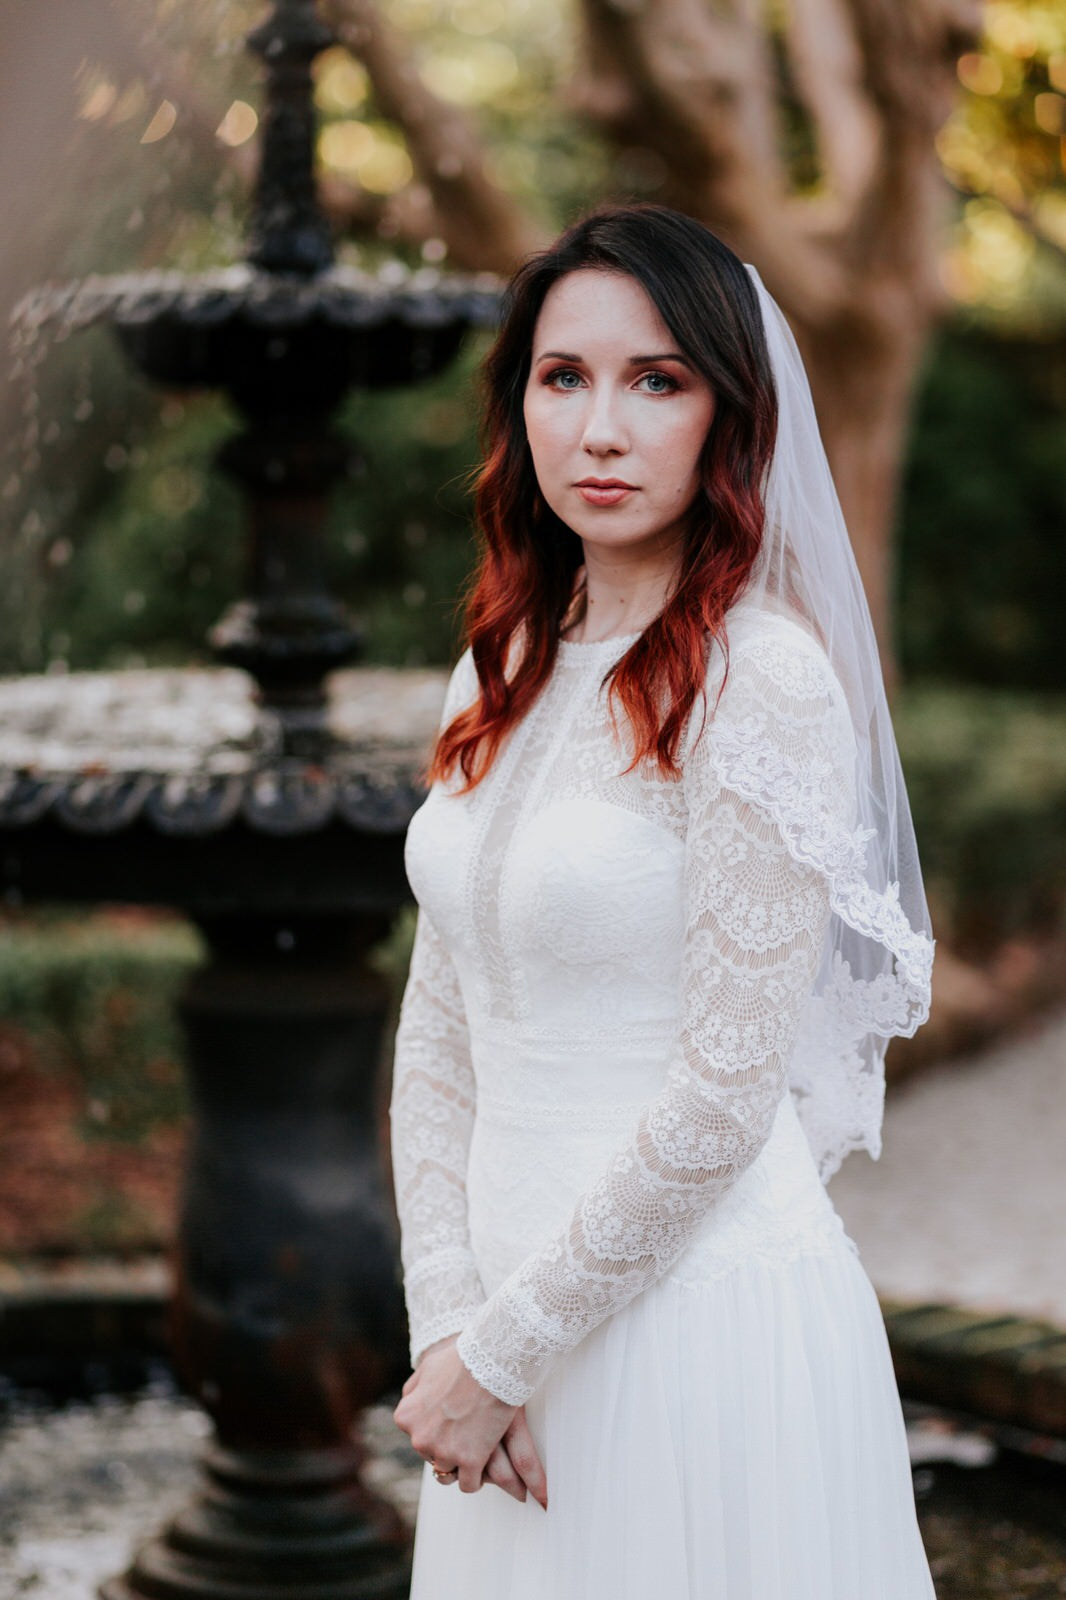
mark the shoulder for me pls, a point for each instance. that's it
(779, 652)
(782, 721)
(777, 677)
(462, 687)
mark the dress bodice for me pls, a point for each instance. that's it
(557, 885)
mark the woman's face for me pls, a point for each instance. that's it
(615, 414)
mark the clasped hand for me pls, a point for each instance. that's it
(453, 1421)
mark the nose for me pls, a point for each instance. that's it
(604, 431)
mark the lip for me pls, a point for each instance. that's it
(604, 491)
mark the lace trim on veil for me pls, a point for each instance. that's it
(837, 1072)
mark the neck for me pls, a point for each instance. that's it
(620, 595)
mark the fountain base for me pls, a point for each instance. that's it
(279, 1525)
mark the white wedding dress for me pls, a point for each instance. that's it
(602, 1174)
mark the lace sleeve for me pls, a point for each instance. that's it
(432, 1114)
(756, 920)
(431, 1121)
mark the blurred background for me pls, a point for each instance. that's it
(463, 134)
(898, 175)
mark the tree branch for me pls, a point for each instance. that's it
(680, 78)
(697, 86)
(481, 225)
(827, 69)
(909, 53)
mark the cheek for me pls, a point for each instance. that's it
(679, 450)
(549, 432)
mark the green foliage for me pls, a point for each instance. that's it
(151, 559)
(986, 775)
(1002, 146)
(97, 1004)
(982, 564)
(155, 561)
(401, 535)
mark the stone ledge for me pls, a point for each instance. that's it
(995, 1366)
(67, 1322)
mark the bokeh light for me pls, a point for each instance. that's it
(238, 125)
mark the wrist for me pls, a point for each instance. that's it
(438, 1344)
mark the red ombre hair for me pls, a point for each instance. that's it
(524, 583)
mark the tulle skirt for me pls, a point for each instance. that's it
(740, 1439)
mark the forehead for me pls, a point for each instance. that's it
(596, 307)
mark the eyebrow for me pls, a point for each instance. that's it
(634, 361)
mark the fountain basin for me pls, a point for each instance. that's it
(278, 343)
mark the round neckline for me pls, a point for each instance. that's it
(591, 649)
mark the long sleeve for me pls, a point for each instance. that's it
(755, 924)
(431, 1122)
(432, 1116)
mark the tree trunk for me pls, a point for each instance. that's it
(862, 378)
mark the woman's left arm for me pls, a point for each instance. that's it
(756, 920)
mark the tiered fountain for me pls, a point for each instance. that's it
(270, 805)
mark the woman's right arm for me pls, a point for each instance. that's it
(432, 1118)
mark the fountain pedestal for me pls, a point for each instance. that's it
(275, 1526)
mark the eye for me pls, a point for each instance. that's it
(659, 382)
(559, 378)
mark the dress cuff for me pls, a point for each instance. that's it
(439, 1326)
(491, 1376)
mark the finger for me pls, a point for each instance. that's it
(470, 1476)
(501, 1472)
(525, 1458)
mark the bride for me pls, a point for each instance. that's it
(670, 913)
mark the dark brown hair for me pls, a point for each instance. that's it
(529, 557)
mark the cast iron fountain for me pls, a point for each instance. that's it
(269, 802)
